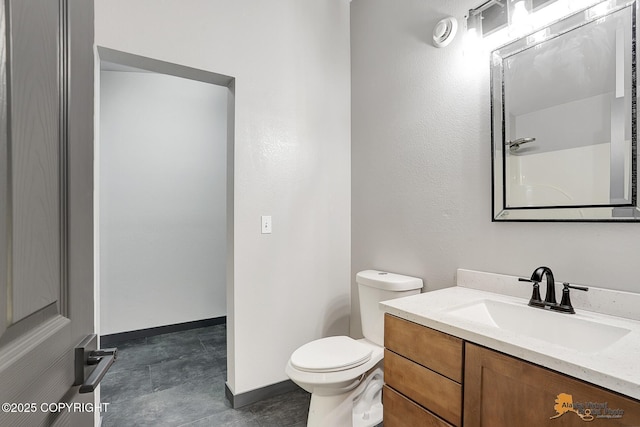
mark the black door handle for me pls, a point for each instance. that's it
(86, 357)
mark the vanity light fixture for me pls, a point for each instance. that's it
(487, 18)
(521, 17)
(473, 24)
(494, 15)
(520, 20)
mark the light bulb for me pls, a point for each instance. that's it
(520, 20)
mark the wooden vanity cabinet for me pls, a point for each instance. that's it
(502, 391)
(423, 375)
(427, 372)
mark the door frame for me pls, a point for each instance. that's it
(162, 67)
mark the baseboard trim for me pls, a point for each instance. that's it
(111, 339)
(243, 399)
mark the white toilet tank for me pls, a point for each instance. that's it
(375, 286)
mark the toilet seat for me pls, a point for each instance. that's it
(330, 354)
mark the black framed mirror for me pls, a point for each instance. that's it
(564, 132)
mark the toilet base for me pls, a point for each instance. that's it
(360, 407)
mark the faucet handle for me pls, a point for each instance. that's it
(536, 300)
(565, 305)
(580, 288)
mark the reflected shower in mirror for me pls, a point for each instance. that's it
(564, 120)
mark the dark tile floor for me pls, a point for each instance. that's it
(177, 379)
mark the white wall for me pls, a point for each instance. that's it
(290, 60)
(421, 164)
(162, 193)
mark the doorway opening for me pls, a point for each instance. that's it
(163, 187)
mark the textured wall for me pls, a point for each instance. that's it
(290, 60)
(421, 171)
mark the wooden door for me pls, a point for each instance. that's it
(46, 208)
(502, 391)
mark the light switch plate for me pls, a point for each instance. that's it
(266, 224)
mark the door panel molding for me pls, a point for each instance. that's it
(34, 215)
(19, 355)
(5, 250)
(34, 119)
(63, 129)
(30, 322)
(40, 385)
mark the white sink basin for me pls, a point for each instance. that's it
(561, 329)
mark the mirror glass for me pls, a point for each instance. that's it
(564, 120)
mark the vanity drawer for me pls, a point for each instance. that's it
(401, 412)
(435, 350)
(442, 396)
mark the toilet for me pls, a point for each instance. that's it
(344, 375)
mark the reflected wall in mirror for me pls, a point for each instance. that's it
(564, 120)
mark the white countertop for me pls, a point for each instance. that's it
(616, 367)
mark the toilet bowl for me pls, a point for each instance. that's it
(339, 384)
(344, 375)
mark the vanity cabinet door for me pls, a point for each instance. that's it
(436, 350)
(502, 391)
(433, 391)
(402, 412)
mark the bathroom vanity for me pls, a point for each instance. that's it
(450, 360)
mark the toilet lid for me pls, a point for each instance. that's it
(330, 354)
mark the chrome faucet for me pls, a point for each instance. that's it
(550, 297)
